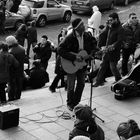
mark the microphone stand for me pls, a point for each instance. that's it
(91, 91)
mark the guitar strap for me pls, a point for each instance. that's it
(107, 39)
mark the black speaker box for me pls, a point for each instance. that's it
(9, 116)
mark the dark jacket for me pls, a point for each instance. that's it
(7, 61)
(21, 35)
(19, 52)
(89, 129)
(137, 36)
(32, 34)
(43, 53)
(71, 44)
(130, 35)
(115, 38)
(38, 77)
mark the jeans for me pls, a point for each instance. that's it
(103, 69)
(75, 91)
(56, 80)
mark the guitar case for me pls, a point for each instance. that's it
(129, 86)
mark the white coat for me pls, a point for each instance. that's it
(95, 20)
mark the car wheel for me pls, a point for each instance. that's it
(17, 24)
(67, 17)
(125, 2)
(42, 21)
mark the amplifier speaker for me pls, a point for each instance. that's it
(9, 116)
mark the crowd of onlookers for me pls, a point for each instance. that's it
(42, 50)
(13, 74)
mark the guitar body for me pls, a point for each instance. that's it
(72, 67)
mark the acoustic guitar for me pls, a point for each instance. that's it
(71, 67)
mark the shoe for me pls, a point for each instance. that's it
(98, 84)
(70, 108)
(52, 90)
(61, 86)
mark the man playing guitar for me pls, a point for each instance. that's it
(74, 42)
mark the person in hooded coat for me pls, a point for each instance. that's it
(85, 124)
(95, 21)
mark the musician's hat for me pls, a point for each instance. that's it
(83, 112)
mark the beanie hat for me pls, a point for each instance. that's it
(10, 40)
(124, 130)
(76, 22)
(83, 112)
(95, 8)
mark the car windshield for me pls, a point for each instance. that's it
(33, 4)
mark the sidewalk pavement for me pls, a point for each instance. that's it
(39, 111)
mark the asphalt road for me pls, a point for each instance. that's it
(53, 28)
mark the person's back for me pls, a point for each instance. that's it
(32, 33)
(7, 61)
(19, 54)
(38, 76)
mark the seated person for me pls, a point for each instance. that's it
(36, 77)
(128, 130)
(85, 124)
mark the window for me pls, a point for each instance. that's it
(51, 3)
(38, 4)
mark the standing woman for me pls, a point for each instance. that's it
(21, 34)
(58, 68)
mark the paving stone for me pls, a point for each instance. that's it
(112, 126)
(43, 134)
(121, 110)
(27, 126)
(21, 135)
(64, 135)
(118, 118)
(68, 124)
(104, 111)
(53, 127)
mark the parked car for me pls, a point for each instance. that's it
(86, 5)
(124, 2)
(13, 20)
(46, 10)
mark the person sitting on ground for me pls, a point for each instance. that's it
(43, 51)
(37, 77)
(128, 130)
(85, 124)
